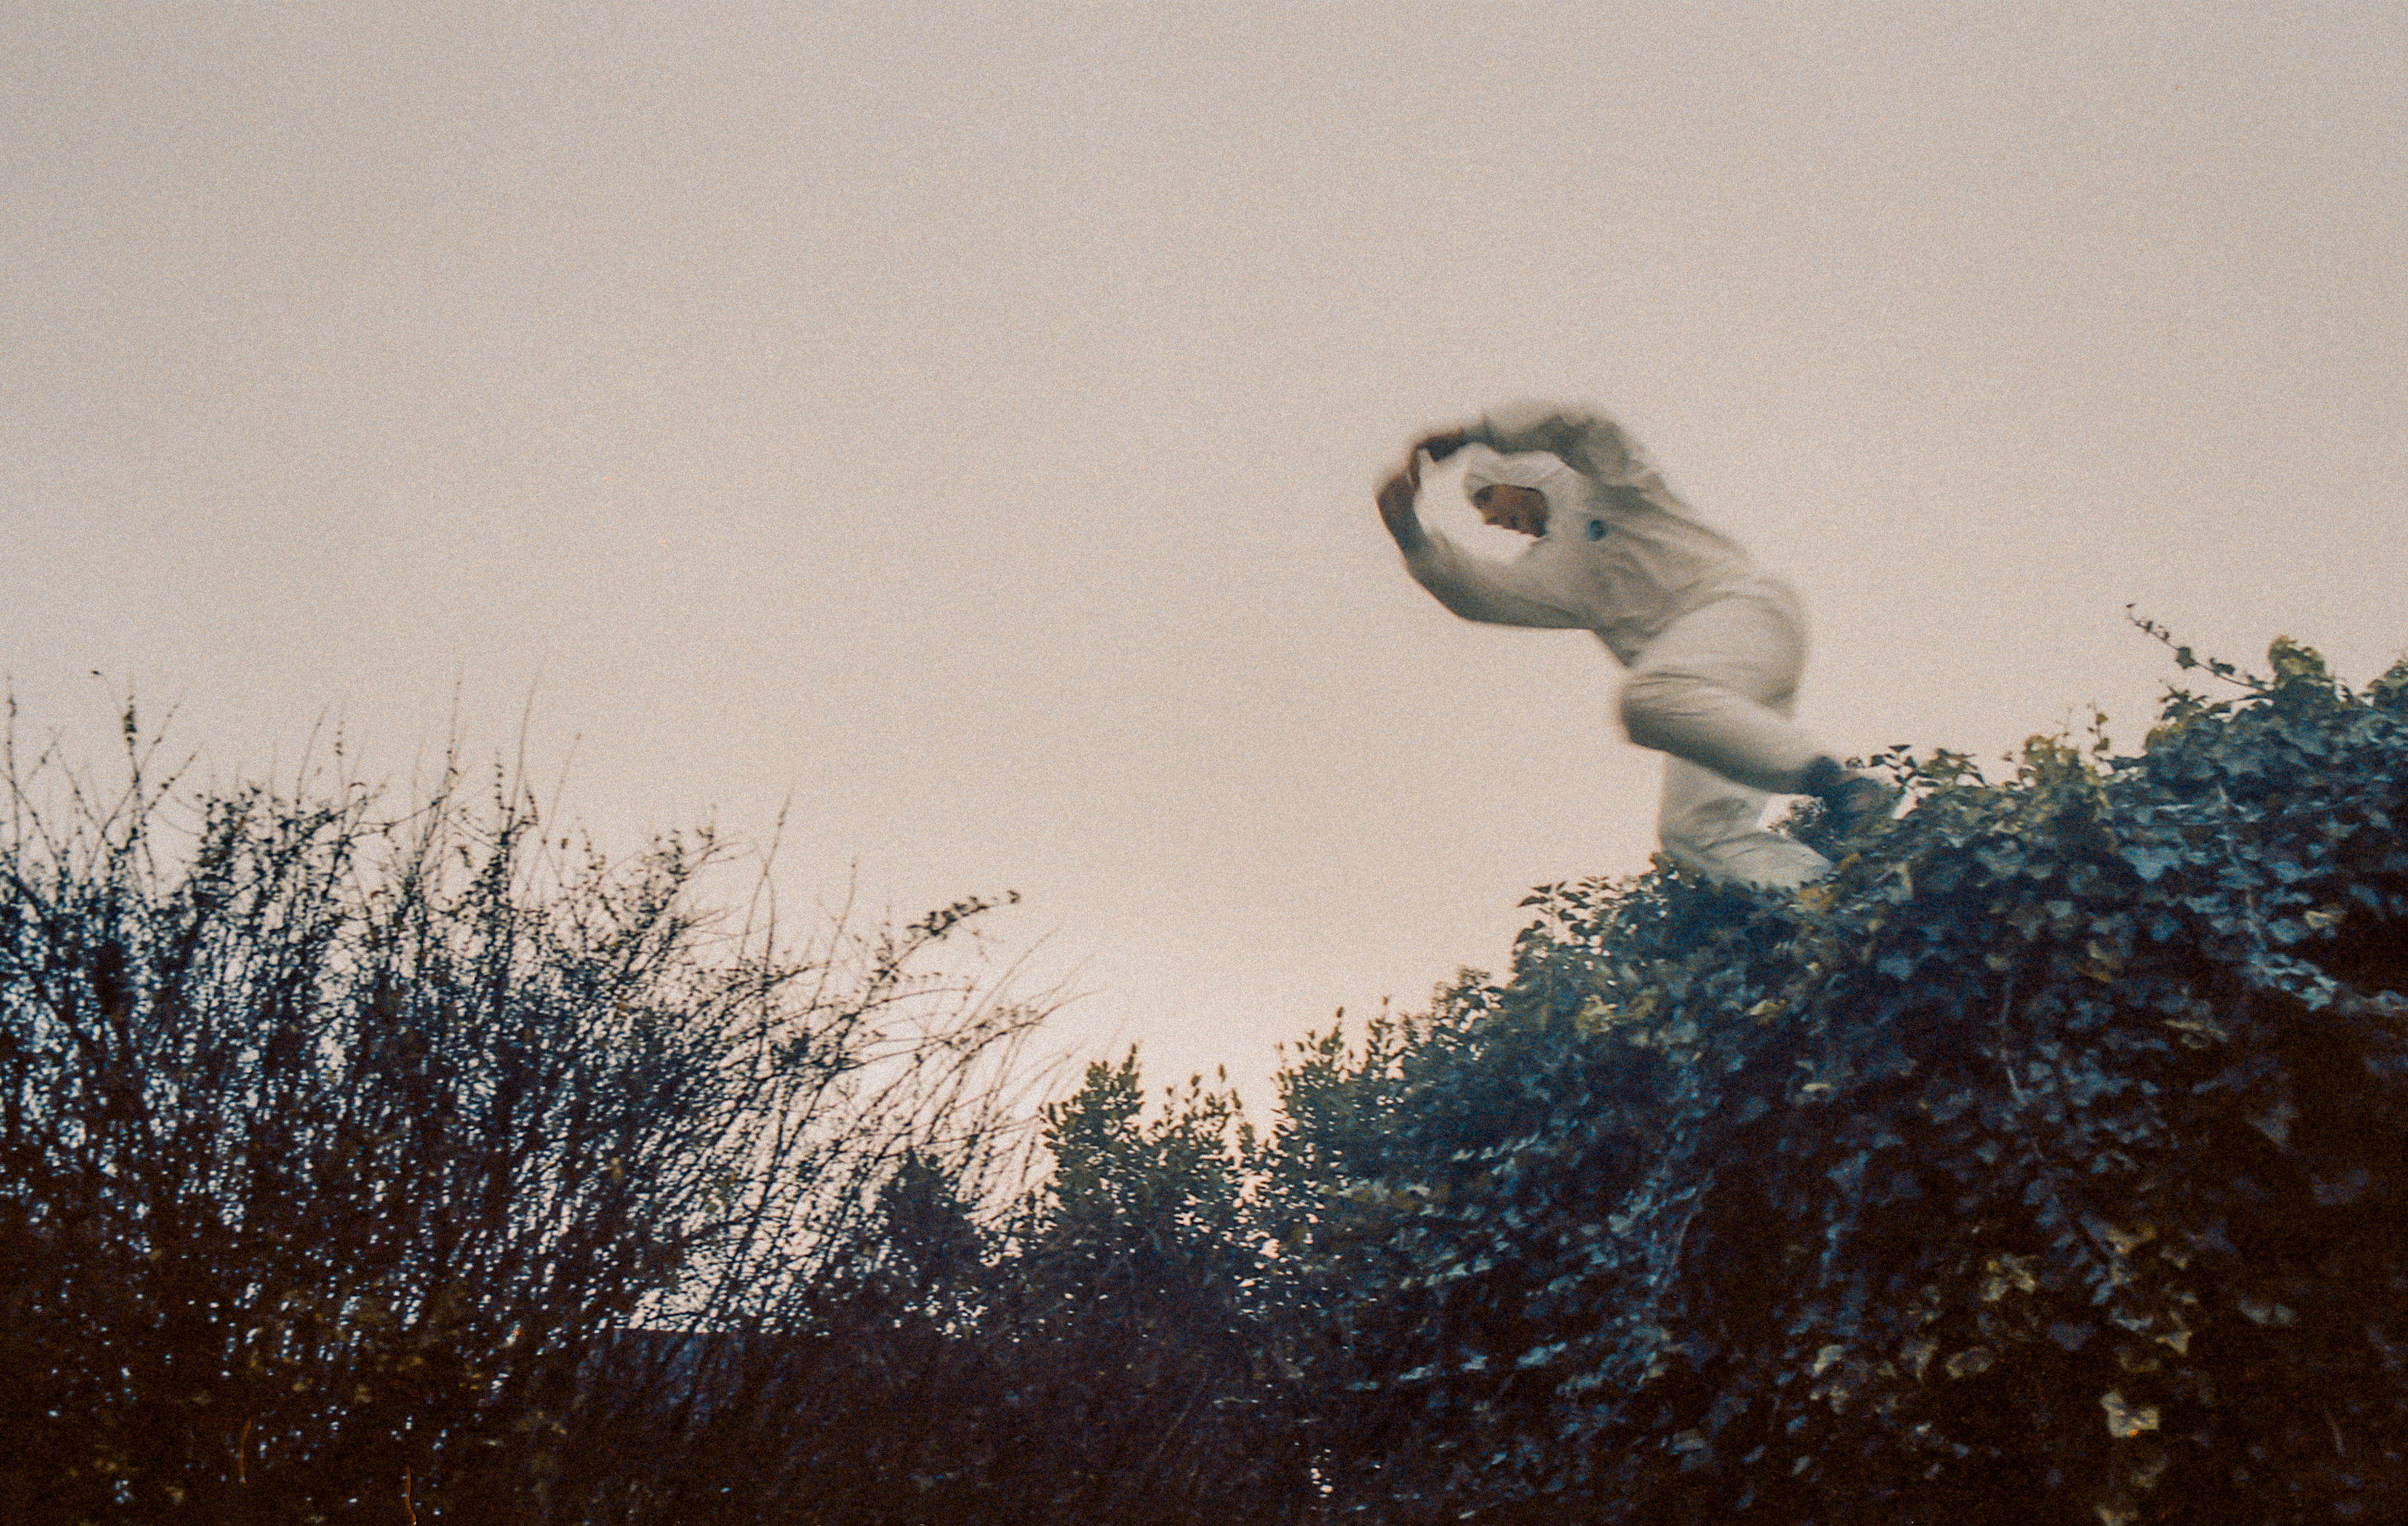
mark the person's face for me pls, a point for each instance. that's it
(1502, 504)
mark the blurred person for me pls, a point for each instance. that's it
(1714, 647)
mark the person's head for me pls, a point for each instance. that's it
(1590, 462)
(1511, 506)
(1521, 492)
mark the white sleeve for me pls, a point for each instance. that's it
(1476, 588)
(1587, 441)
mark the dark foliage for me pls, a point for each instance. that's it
(337, 1150)
(2045, 1163)
(1100, 1352)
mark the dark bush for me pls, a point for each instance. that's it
(338, 1148)
(2045, 1163)
(1103, 1351)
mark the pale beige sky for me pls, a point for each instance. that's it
(962, 418)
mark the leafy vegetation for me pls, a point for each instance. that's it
(2046, 1163)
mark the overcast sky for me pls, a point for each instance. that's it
(961, 420)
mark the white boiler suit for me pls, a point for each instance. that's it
(1714, 647)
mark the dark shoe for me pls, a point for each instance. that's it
(1852, 800)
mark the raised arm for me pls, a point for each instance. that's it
(1474, 586)
(1581, 437)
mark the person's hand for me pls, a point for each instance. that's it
(1397, 495)
(1395, 502)
(1396, 499)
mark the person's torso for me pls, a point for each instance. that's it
(1629, 569)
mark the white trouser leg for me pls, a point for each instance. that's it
(1711, 825)
(1715, 690)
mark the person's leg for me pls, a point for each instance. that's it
(1717, 686)
(1715, 692)
(1711, 825)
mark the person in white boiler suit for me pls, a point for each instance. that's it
(1714, 647)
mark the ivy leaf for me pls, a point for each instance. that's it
(2150, 860)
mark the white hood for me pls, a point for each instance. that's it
(1566, 491)
(1594, 452)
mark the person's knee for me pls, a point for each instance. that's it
(1653, 706)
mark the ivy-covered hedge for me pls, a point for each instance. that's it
(2047, 1163)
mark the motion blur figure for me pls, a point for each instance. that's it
(1714, 647)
